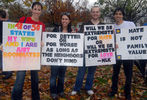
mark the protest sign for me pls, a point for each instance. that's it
(21, 46)
(132, 43)
(99, 45)
(62, 49)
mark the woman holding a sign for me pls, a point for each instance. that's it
(127, 64)
(58, 72)
(20, 76)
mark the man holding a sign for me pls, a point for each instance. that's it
(127, 64)
(95, 14)
(142, 65)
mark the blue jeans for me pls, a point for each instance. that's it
(89, 79)
(57, 72)
(18, 86)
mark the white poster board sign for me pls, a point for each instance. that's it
(132, 43)
(62, 49)
(99, 45)
(21, 46)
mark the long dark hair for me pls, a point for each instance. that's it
(2, 13)
(69, 29)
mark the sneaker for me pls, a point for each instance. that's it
(90, 92)
(73, 92)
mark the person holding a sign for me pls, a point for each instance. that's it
(58, 72)
(142, 65)
(20, 76)
(3, 17)
(127, 64)
(95, 14)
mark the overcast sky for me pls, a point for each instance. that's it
(92, 1)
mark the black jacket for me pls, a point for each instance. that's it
(59, 29)
(86, 23)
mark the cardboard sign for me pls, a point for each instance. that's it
(132, 43)
(99, 45)
(21, 46)
(62, 49)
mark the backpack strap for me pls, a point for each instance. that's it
(25, 20)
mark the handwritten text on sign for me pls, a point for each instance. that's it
(133, 43)
(65, 49)
(99, 45)
(21, 46)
